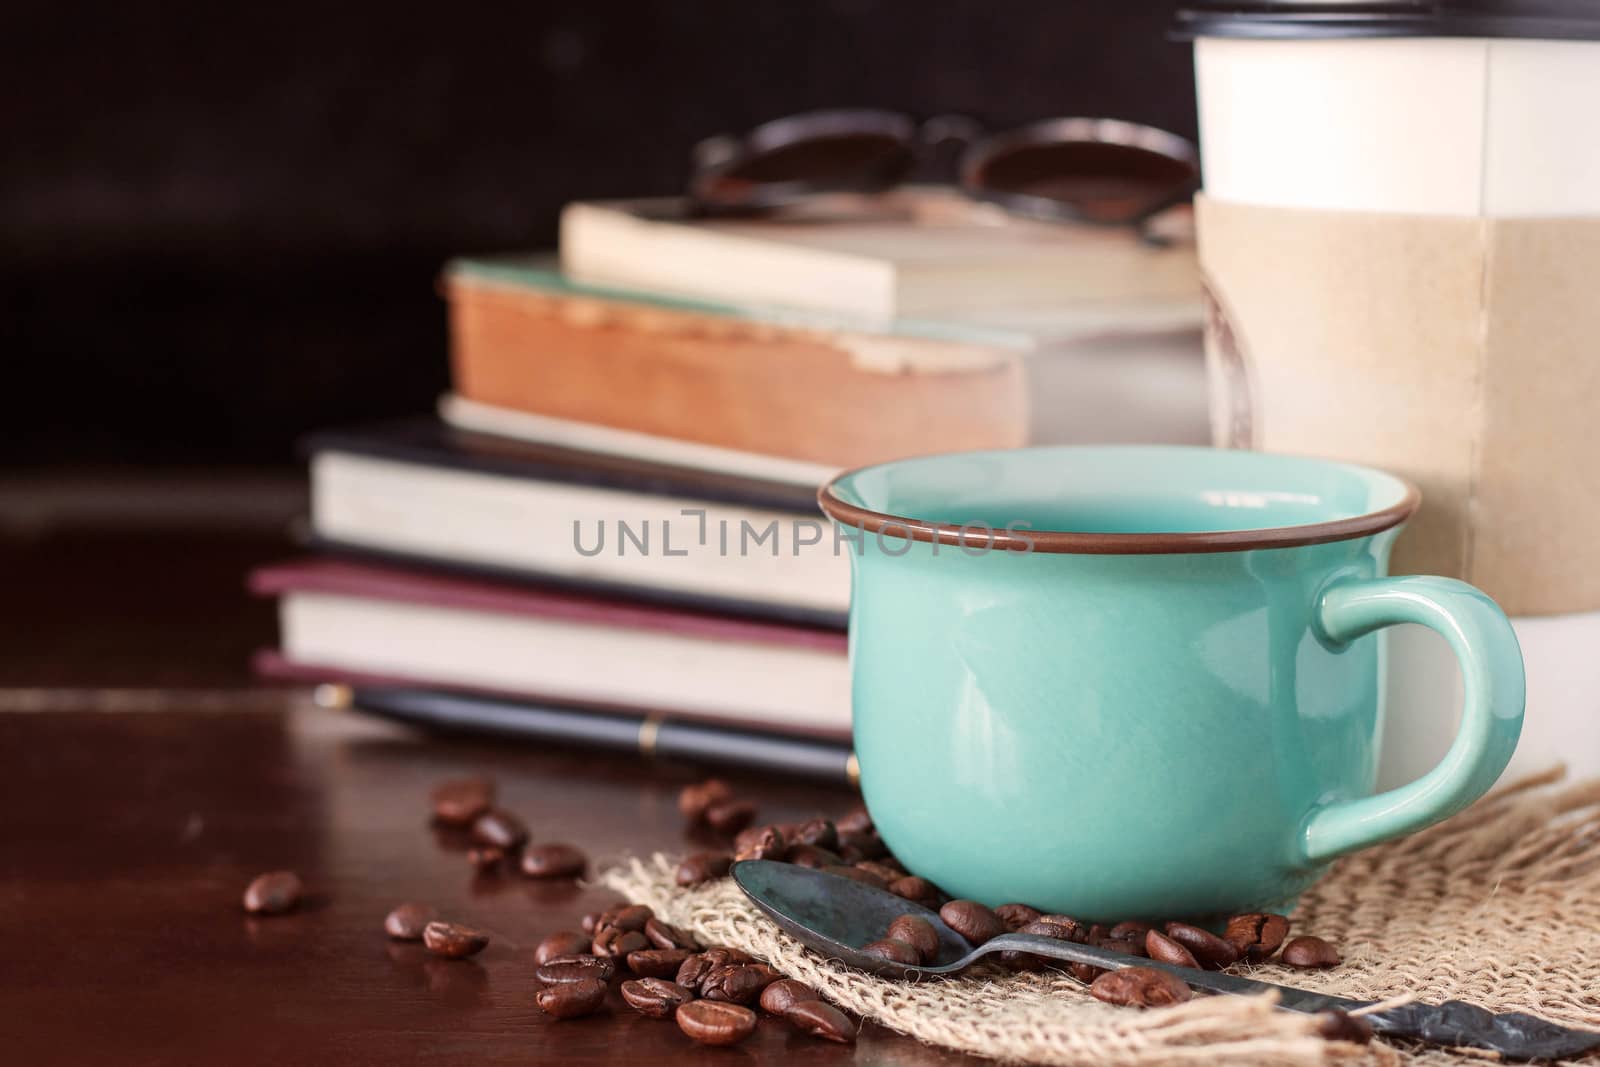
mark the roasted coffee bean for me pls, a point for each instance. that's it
(912, 888)
(715, 1022)
(1165, 950)
(972, 920)
(817, 832)
(498, 828)
(569, 1000)
(590, 922)
(486, 859)
(1342, 1026)
(703, 867)
(887, 860)
(553, 861)
(917, 932)
(453, 940)
(657, 962)
(1127, 947)
(768, 844)
(728, 817)
(738, 983)
(1140, 987)
(1097, 932)
(1257, 935)
(406, 922)
(863, 844)
(816, 1019)
(560, 969)
(1016, 916)
(784, 994)
(884, 872)
(696, 967)
(1212, 951)
(1131, 930)
(894, 951)
(563, 943)
(1309, 953)
(695, 799)
(854, 822)
(1066, 928)
(856, 874)
(813, 856)
(615, 941)
(655, 997)
(461, 800)
(625, 917)
(665, 935)
(1084, 972)
(273, 893)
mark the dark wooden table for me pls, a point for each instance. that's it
(128, 835)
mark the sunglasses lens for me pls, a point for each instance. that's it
(847, 162)
(1098, 181)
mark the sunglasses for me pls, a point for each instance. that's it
(1098, 171)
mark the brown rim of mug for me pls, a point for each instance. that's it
(1118, 544)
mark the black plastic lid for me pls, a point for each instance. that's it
(1549, 19)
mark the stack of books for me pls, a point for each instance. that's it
(612, 516)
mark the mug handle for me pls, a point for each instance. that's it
(1491, 717)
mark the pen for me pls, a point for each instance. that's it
(650, 737)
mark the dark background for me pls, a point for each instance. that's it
(220, 224)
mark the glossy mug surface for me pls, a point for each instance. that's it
(1122, 682)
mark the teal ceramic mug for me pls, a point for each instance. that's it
(1144, 682)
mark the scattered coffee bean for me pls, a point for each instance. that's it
(728, 817)
(569, 1000)
(562, 969)
(856, 874)
(695, 799)
(498, 828)
(1310, 953)
(273, 893)
(625, 917)
(917, 932)
(406, 922)
(665, 935)
(562, 943)
(854, 822)
(1097, 932)
(1140, 987)
(894, 951)
(703, 867)
(461, 800)
(917, 890)
(1060, 927)
(1131, 930)
(657, 962)
(486, 858)
(1016, 916)
(819, 833)
(696, 967)
(737, 983)
(715, 1022)
(1044, 926)
(1126, 947)
(453, 940)
(816, 1019)
(972, 920)
(615, 941)
(591, 921)
(1084, 972)
(883, 872)
(1165, 950)
(1342, 1026)
(784, 994)
(655, 997)
(1257, 935)
(813, 856)
(553, 861)
(768, 844)
(861, 845)
(1213, 952)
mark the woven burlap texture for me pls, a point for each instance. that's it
(1499, 906)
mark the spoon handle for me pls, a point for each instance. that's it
(1512, 1034)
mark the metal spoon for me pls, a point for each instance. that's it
(834, 916)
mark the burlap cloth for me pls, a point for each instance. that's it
(1499, 906)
